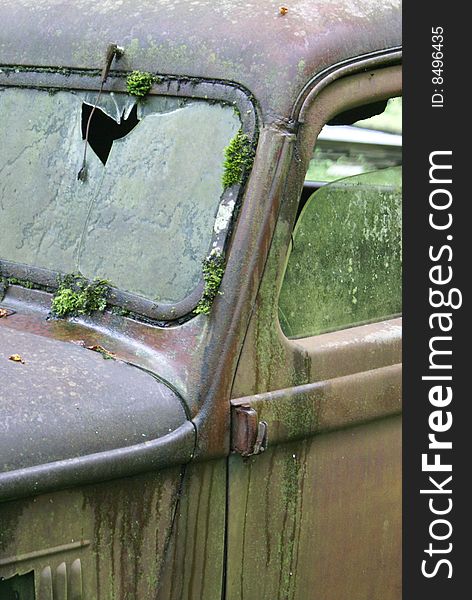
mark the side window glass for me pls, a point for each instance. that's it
(344, 268)
(367, 145)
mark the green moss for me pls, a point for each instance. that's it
(78, 296)
(22, 282)
(239, 156)
(121, 312)
(25, 283)
(213, 270)
(60, 70)
(139, 83)
(30, 285)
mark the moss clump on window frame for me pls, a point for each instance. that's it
(239, 156)
(139, 83)
(78, 296)
(213, 271)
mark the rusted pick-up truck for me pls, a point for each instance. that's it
(200, 342)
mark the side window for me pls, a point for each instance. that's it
(344, 267)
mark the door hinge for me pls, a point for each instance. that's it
(248, 434)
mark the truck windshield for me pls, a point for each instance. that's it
(143, 218)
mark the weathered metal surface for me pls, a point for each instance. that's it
(279, 59)
(354, 350)
(68, 401)
(165, 351)
(305, 101)
(194, 564)
(306, 410)
(116, 533)
(319, 518)
(176, 448)
(152, 536)
(67, 416)
(184, 355)
(250, 42)
(248, 434)
(269, 361)
(244, 424)
(246, 260)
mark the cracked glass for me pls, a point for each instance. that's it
(144, 220)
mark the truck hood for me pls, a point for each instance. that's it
(64, 408)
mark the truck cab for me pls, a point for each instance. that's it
(200, 345)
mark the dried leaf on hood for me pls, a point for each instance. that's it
(16, 358)
(101, 350)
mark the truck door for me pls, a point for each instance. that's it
(314, 507)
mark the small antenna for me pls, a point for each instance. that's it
(113, 51)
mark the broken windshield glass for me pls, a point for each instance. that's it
(144, 217)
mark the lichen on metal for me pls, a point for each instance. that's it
(206, 38)
(213, 270)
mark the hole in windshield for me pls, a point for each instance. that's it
(104, 130)
(146, 220)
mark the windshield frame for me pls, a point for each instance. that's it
(60, 79)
